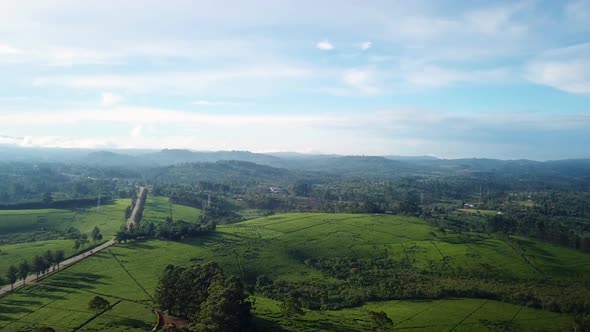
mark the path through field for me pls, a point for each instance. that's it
(75, 259)
(139, 204)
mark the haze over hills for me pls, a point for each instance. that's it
(342, 166)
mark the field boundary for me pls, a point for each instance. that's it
(95, 316)
(32, 312)
(130, 275)
(471, 313)
(419, 312)
(525, 258)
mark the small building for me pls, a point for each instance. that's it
(275, 190)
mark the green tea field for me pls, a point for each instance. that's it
(26, 233)
(157, 209)
(127, 275)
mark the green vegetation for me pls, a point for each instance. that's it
(18, 222)
(424, 315)
(158, 208)
(332, 243)
(205, 296)
(303, 250)
(26, 233)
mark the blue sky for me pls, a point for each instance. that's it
(451, 79)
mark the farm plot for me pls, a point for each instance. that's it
(158, 208)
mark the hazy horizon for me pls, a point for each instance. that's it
(498, 80)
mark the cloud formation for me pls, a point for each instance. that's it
(110, 99)
(475, 72)
(566, 69)
(325, 45)
(388, 131)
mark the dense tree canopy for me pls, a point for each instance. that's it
(203, 294)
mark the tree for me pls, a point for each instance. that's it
(49, 260)
(379, 320)
(98, 304)
(83, 240)
(96, 236)
(59, 257)
(38, 265)
(23, 270)
(77, 244)
(47, 199)
(225, 309)
(204, 295)
(12, 275)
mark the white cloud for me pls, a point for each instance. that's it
(325, 45)
(110, 99)
(67, 56)
(363, 80)
(6, 49)
(495, 20)
(430, 76)
(136, 131)
(366, 45)
(389, 131)
(180, 81)
(215, 103)
(566, 69)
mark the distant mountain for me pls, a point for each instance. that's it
(111, 159)
(227, 171)
(411, 158)
(336, 165)
(358, 166)
(176, 156)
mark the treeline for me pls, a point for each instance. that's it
(40, 264)
(572, 232)
(168, 230)
(380, 279)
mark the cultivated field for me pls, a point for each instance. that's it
(127, 275)
(26, 233)
(157, 208)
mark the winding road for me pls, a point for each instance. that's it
(75, 259)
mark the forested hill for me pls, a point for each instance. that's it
(61, 170)
(224, 171)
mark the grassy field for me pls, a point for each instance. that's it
(17, 222)
(127, 275)
(122, 276)
(158, 208)
(109, 218)
(439, 315)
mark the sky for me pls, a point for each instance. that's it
(451, 79)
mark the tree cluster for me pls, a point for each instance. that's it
(168, 230)
(205, 296)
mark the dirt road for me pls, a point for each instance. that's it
(134, 218)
